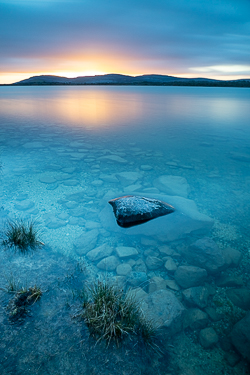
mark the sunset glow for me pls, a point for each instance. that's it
(83, 38)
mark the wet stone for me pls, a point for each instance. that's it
(109, 178)
(189, 276)
(123, 269)
(171, 284)
(233, 257)
(86, 242)
(113, 158)
(138, 279)
(195, 319)
(126, 252)
(226, 280)
(69, 170)
(132, 210)
(137, 293)
(47, 179)
(140, 266)
(156, 283)
(24, 205)
(128, 178)
(173, 185)
(71, 205)
(97, 183)
(206, 254)
(232, 358)
(78, 212)
(164, 310)
(77, 221)
(213, 315)
(132, 188)
(71, 183)
(153, 263)
(92, 225)
(52, 186)
(55, 223)
(63, 216)
(146, 167)
(166, 250)
(239, 297)
(170, 265)
(99, 252)
(151, 252)
(131, 262)
(62, 177)
(108, 264)
(208, 337)
(196, 296)
(22, 197)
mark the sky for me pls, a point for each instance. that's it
(183, 38)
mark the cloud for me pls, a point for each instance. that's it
(151, 35)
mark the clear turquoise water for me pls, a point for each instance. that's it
(60, 141)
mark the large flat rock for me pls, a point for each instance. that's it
(185, 220)
(131, 210)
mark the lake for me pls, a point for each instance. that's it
(64, 153)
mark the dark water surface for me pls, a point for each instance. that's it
(64, 152)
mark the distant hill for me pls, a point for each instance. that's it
(120, 79)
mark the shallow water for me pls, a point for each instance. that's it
(64, 151)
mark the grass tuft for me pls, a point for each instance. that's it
(21, 236)
(110, 314)
(23, 298)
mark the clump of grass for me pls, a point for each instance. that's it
(23, 298)
(12, 284)
(110, 314)
(21, 235)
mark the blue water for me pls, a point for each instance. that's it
(63, 154)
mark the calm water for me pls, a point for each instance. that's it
(65, 151)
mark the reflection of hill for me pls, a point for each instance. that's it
(144, 80)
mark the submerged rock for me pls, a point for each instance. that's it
(108, 264)
(196, 296)
(185, 220)
(240, 297)
(132, 210)
(195, 319)
(240, 336)
(173, 185)
(208, 337)
(190, 276)
(164, 310)
(205, 253)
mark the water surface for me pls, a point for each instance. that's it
(64, 151)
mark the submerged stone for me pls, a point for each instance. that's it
(240, 336)
(173, 185)
(132, 210)
(164, 310)
(185, 220)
